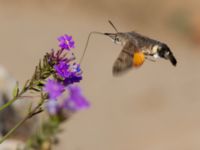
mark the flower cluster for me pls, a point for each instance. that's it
(54, 78)
(65, 73)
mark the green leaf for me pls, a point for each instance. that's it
(40, 65)
(27, 83)
(16, 90)
(30, 108)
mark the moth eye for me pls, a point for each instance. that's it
(116, 39)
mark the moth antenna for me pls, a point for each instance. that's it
(86, 45)
(110, 22)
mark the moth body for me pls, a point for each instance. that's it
(137, 48)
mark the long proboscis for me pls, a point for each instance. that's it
(87, 42)
(94, 32)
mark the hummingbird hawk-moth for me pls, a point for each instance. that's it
(136, 48)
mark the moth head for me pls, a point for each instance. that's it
(117, 38)
(164, 52)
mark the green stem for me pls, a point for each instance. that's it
(35, 111)
(16, 97)
(12, 100)
(8, 103)
(13, 129)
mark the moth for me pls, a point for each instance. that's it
(136, 49)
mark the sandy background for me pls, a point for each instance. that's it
(156, 107)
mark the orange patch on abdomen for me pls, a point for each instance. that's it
(138, 59)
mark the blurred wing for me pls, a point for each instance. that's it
(125, 59)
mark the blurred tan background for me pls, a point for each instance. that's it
(156, 107)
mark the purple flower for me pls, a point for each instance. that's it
(71, 73)
(76, 101)
(76, 69)
(66, 42)
(75, 76)
(52, 107)
(72, 79)
(53, 88)
(62, 69)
